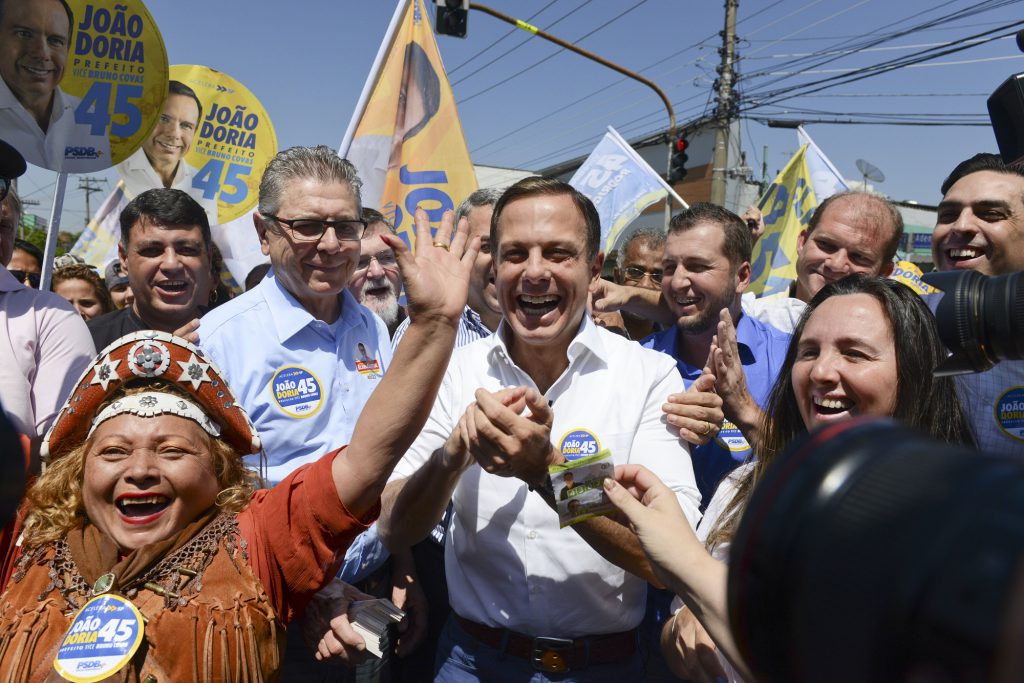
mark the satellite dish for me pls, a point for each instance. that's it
(870, 172)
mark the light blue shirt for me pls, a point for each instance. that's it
(303, 381)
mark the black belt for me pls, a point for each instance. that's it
(555, 655)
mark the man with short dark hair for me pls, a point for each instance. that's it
(980, 227)
(376, 282)
(706, 267)
(639, 265)
(513, 575)
(26, 260)
(165, 251)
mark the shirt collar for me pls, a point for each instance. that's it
(474, 321)
(9, 101)
(139, 162)
(9, 283)
(290, 316)
(587, 340)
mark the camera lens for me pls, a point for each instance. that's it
(869, 552)
(980, 319)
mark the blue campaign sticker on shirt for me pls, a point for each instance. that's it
(730, 437)
(104, 637)
(297, 391)
(1009, 413)
(579, 443)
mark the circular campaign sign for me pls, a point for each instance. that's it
(1009, 413)
(233, 142)
(104, 636)
(84, 80)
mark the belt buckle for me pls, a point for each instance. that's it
(551, 655)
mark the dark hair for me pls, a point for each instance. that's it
(67, 10)
(923, 401)
(179, 88)
(372, 216)
(981, 162)
(534, 186)
(256, 275)
(872, 207)
(30, 249)
(652, 237)
(80, 271)
(737, 243)
(429, 85)
(164, 206)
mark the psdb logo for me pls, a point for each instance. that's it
(89, 665)
(81, 153)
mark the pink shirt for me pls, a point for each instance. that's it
(50, 347)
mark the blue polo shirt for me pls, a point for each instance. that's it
(762, 352)
(302, 380)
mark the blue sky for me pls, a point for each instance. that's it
(526, 103)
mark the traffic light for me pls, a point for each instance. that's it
(451, 17)
(677, 166)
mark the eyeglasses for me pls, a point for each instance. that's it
(385, 260)
(5, 187)
(311, 229)
(636, 274)
(20, 275)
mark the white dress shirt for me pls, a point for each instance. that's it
(508, 563)
(65, 146)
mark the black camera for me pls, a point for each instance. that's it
(980, 319)
(869, 552)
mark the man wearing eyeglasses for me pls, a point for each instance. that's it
(376, 282)
(639, 265)
(44, 343)
(301, 354)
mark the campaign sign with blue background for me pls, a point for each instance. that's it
(102, 639)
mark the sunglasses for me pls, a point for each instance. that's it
(21, 276)
(636, 274)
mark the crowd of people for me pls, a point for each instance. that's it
(242, 469)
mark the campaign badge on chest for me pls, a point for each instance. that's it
(104, 637)
(579, 443)
(731, 438)
(1009, 413)
(297, 391)
(366, 364)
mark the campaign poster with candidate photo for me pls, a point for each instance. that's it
(81, 81)
(215, 136)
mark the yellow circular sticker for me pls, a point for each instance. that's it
(84, 81)
(234, 141)
(104, 636)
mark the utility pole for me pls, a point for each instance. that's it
(86, 183)
(724, 109)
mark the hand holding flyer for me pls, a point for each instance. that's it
(578, 486)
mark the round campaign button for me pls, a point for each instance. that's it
(731, 438)
(104, 637)
(1009, 413)
(579, 443)
(232, 145)
(103, 78)
(297, 391)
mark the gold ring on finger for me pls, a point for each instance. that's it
(707, 429)
(441, 245)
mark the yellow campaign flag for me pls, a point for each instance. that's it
(787, 207)
(909, 274)
(408, 144)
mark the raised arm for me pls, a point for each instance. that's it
(436, 280)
